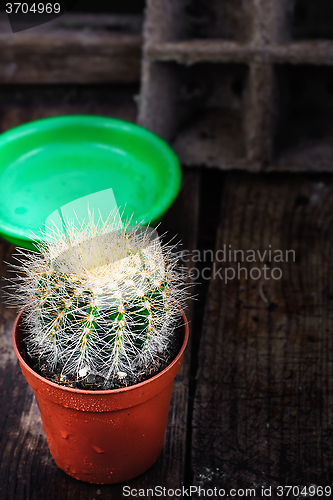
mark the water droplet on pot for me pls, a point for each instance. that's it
(64, 434)
(97, 449)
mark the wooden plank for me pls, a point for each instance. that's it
(263, 405)
(75, 48)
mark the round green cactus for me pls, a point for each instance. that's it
(100, 301)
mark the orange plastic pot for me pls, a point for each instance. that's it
(103, 437)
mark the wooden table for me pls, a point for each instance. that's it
(252, 406)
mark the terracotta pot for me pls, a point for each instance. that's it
(103, 437)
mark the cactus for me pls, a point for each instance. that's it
(99, 300)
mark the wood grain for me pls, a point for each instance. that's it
(75, 48)
(263, 405)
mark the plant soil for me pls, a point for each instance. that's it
(97, 383)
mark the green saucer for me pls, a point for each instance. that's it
(49, 163)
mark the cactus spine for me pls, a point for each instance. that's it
(99, 300)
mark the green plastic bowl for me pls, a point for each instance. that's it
(48, 163)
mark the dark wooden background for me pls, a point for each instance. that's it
(253, 403)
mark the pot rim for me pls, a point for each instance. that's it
(121, 390)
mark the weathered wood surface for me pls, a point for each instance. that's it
(74, 48)
(264, 397)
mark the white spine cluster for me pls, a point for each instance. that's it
(100, 300)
